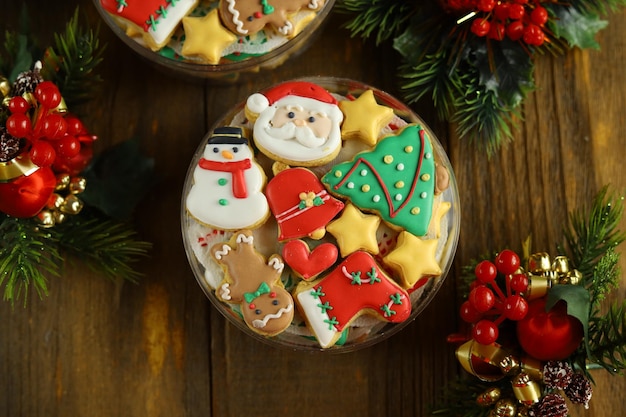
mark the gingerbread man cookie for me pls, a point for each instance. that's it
(250, 281)
(247, 17)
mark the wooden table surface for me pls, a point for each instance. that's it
(158, 348)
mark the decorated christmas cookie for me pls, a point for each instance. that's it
(227, 190)
(218, 39)
(254, 284)
(154, 20)
(366, 231)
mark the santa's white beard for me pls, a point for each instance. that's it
(302, 134)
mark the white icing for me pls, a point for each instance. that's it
(350, 185)
(376, 198)
(286, 29)
(363, 172)
(166, 24)
(236, 21)
(323, 332)
(400, 167)
(291, 150)
(276, 264)
(241, 238)
(223, 252)
(225, 292)
(259, 324)
(240, 213)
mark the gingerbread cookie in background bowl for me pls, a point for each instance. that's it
(217, 40)
(349, 220)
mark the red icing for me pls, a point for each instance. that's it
(300, 89)
(348, 300)
(138, 12)
(236, 168)
(309, 263)
(282, 194)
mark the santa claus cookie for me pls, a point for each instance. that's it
(227, 184)
(363, 227)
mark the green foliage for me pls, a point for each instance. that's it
(608, 339)
(477, 83)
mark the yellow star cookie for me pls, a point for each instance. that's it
(355, 231)
(441, 211)
(205, 36)
(413, 258)
(364, 118)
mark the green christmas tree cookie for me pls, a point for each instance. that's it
(396, 180)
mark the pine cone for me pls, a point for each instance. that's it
(579, 390)
(552, 405)
(27, 81)
(557, 374)
(9, 146)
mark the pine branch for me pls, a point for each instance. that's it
(608, 339)
(460, 395)
(107, 246)
(606, 277)
(591, 234)
(385, 18)
(26, 253)
(71, 63)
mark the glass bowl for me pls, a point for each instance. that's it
(215, 52)
(339, 277)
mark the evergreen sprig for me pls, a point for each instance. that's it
(478, 84)
(27, 254)
(71, 63)
(608, 339)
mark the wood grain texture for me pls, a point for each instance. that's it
(97, 348)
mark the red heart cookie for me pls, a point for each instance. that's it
(309, 263)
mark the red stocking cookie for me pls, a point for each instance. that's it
(356, 286)
(250, 281)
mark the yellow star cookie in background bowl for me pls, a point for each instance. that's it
(217, 40)
(365, 230)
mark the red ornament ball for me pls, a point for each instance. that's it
(27, 195)
(549, 335)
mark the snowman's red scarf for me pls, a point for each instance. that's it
(236, 168)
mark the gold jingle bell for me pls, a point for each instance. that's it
(504, 408)
(46, 218)
(527, 391)
(71, 205)
(489, 397)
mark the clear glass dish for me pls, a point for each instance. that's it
(432, 253)
(240, 54)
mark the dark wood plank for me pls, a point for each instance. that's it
(98, 348)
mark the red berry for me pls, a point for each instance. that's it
(539, 16)
(48, 94)
(485, 272)
(533, 35)
(74, 125)
(485, 332)
(54, 126)
(482, 299)
(480, 27)
(516, 11)
(18, 125)
(515, 307)
(42, 153)
(485, 5)
(469, 314)
(18, 105)
(68, 146)
(519, 282)
(515, 30)
(507, 262)
(501, 11)
(521, 1)
(496, 31)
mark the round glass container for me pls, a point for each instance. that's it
(210, 50)
(373, 289)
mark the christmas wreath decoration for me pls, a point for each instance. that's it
(534, 325)
(48, 205)
(474, 58)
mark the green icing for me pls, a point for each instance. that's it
(370, 179)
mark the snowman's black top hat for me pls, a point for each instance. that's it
(227, 135)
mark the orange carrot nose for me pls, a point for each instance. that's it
(227, 154)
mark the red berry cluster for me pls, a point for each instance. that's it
(487, 305)
(53, 138)
(518, 20)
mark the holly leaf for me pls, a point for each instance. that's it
(117, 179)
(579, 29)
(578, 305)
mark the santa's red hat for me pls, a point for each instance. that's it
(298, 89)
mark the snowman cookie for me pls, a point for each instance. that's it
(227, 184)
(361, 225)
